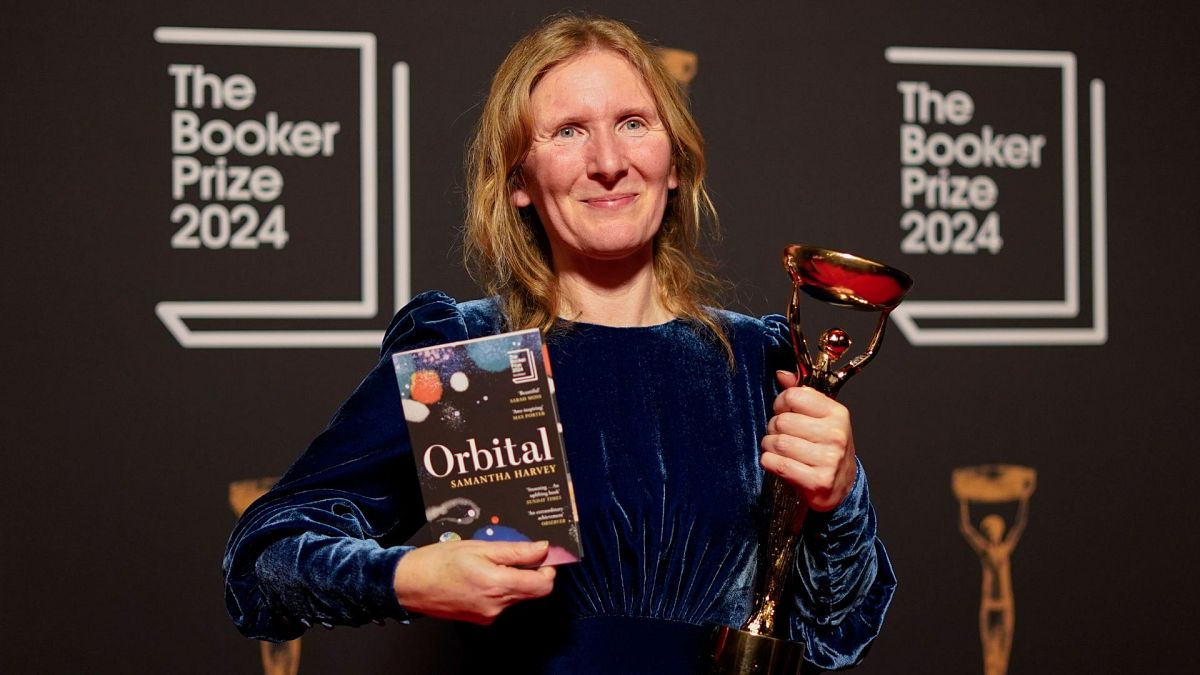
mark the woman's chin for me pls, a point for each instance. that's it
(616, 252)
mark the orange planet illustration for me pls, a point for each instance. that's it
(426, 387)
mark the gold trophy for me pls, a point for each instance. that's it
(993, 541)
(842, 280)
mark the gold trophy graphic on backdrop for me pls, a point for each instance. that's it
(994, 484)
(282, 658)
(842, 280)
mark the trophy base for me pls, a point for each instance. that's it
(739, 652)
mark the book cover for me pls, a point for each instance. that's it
(487, 442)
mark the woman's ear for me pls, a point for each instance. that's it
(673, 179)
(521, 198)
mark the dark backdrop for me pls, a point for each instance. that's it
(121, 442)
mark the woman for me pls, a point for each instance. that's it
(585, 206)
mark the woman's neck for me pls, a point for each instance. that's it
(611, 292)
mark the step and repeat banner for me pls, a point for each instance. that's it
(217, 208)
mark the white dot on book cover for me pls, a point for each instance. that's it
(414, 411)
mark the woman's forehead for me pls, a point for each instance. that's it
(597, 82)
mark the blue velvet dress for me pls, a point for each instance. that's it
(663, 443)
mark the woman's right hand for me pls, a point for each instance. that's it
(471, 580)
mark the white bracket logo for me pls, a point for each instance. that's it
(174, 314)
(908, 314)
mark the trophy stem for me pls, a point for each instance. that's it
(787, 511)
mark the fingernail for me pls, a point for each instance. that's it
(540, 546)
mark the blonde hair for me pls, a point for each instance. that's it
(506, 247)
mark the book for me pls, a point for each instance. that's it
(487, 442)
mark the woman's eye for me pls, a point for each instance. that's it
(567, 133)
(636, 127)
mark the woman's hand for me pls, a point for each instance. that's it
(471, 580)
(810, 444)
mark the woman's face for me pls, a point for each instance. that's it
(599, 168)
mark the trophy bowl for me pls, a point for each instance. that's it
(845, 280)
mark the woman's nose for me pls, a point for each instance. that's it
(607, 159)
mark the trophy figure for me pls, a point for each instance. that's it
(992, 484)
(842, 280)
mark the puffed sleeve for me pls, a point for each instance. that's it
(842, 581)
(323, 544)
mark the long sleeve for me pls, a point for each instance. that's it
(323, 544)
(842, 581)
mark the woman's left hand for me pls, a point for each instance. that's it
(810, 444)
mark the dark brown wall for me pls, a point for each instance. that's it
(121, 443)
